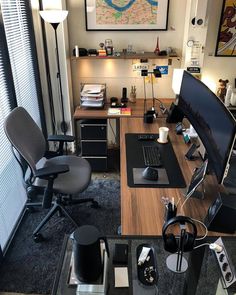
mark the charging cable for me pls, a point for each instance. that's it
(162, 106)
(213, 246)
(203, 224)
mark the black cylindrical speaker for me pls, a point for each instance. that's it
(87, 253)
(175, 114)
(124, 95)
(148, 117)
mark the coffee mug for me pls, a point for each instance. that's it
(163, 134)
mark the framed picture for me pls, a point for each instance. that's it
(226, 41)
(126, 15)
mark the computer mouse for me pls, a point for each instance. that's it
(150, 173)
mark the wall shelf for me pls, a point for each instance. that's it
(145, 55)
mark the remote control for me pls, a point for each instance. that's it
(146, 137)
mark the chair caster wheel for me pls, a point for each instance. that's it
(95, 205)
(30, 193)
(31, 209)
(38, 238)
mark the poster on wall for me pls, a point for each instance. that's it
(226, 41)
(126, 15)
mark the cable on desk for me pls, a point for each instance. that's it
(205, 244)
(112, 129)
(163, 108)
(203, 224)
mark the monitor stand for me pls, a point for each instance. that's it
(199, 193)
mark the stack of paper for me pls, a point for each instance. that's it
(93, 95)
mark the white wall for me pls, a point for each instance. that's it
(214, 67)
(118, 73)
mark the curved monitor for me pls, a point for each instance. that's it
(214, 124)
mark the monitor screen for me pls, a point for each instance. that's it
(214, 124)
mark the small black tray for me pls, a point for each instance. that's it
(147, 264)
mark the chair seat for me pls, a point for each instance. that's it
(72, 182)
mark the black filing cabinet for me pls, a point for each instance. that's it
(93, 143)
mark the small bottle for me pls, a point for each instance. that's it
(76, 51)
(132, 97)
(109, 46)
(228, 94)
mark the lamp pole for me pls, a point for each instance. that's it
(55, 17)
(64, 126)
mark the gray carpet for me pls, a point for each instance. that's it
(30, 267)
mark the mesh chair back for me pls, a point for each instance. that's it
(25, 135)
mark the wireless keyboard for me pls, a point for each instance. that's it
(151, 156)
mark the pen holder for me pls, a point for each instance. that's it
(170, 212)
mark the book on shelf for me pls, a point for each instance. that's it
(119, 111)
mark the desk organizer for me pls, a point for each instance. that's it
(93, 95)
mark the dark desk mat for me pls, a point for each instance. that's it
(134, 158)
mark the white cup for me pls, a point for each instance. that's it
(163, 133)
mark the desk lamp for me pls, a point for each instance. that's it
(55, 17)
(150, 114)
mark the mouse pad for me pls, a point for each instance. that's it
(138, 177)
(134, 159)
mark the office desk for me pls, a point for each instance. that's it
(142, 212)
(137, 110)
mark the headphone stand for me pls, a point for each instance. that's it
(172, 263)
(177, 262)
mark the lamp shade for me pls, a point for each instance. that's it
(54, 16)
(177, 80)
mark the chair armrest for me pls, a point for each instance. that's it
(61, 138)
(51, 171)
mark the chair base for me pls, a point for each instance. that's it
(58, 207)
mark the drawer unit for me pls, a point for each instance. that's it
(93, 143)
(93, 129)
(94, 147)
(97, 163)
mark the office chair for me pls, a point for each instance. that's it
(59, 177)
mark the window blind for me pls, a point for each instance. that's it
(17, 26)
(19, 85)
(12, 192)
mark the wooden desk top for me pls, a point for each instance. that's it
(142, 211)
(136, 110)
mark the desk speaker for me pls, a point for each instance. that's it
(221, 214)
(175, 114)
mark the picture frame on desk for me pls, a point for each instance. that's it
(108, 16)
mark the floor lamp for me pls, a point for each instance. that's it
(55, 17)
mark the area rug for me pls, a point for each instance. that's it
(30, 267)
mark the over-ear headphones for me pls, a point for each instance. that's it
(171, 242)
